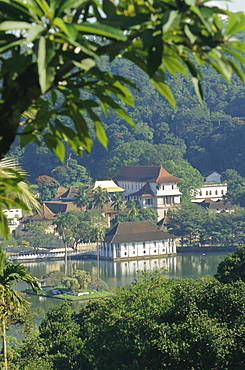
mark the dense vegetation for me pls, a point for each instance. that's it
(155, 323)
(209, 137)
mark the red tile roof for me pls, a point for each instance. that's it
(145, 174)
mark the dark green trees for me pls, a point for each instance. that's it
(232, 268)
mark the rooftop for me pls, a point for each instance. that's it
(155, 174)
(125, 232)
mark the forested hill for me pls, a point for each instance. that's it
(209, 138)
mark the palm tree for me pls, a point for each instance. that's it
(100, 198)
(134, 209)
(119, 202)
(81, 197)
(15, 192)
(98, 235)
(65, 222)
(11, 302)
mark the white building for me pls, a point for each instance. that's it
(212, 188)
(131, 240)
(151, 186)
(13, 215)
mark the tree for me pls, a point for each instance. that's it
(185, 221)
(232, 268)
(97, 236)
(11, 301)
(100, 198)
(81, 197)
(47, 187)
(83, 278)
(35, 235)
(65, 223)
(57, 46)
(119, 202)
(71, 173)
(59, 334)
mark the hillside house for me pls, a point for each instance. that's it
(212, 188)
(151, 186)
(130, 240)
(13, 216)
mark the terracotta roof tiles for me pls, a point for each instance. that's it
(145, 174)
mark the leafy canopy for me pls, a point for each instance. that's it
(55, 47)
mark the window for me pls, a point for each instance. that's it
(133, 252)
(206, 192)
(222, 191)
(143, 244)
(149, 201)
(125, 253)
(144, 251)
(155, 251)
(172, 187)
(200, 193)
(210, 193)
(133, 245)
(163, 187)
(216, 192)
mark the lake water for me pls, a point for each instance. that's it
(184, 265)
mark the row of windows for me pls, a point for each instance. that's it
(164, 187)
(212, 193)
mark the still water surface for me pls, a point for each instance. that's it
(124, 272)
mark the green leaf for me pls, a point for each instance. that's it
(55, 145)
(236, 23)
(45, 72)
(164, 89)
(125, 95)
(198, 88)
(168, 20)
(236, 54)
(85, 64)
(4, 228)
(237, 70)
(12, 25)
(33, 32)
(101, 30)
(154, 58)
(116, 107)
(99, 129)
(109, 8)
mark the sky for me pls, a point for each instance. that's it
(233, 5)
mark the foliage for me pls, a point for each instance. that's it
(232, 268)
(79, 279)
(100, 198)
(71, 173)
(154, 323)
(12, 302)
(53, 278)
(81, 197)
(58, 47)
(35, 235)
(15, 192)
(136, 214)
(236, 187)
(59, 333)
(47, 187)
